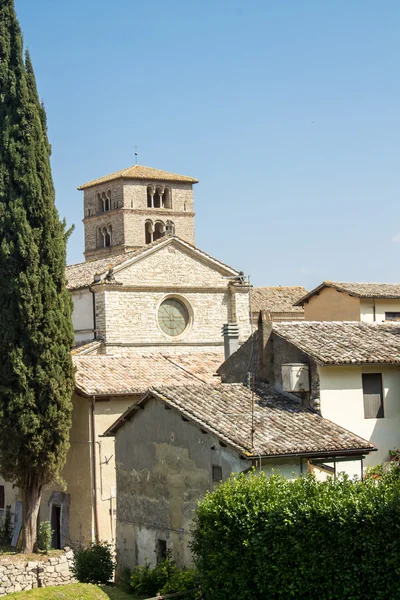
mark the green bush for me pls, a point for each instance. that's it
(45, 536)
(164, 578)
(94, 564)
(270, 538)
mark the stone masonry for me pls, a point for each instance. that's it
(26, 575)
(129, 213)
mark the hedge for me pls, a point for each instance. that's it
(270, 538)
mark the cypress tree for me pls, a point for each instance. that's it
(36, 334)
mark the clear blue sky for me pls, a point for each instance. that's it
(287, 111)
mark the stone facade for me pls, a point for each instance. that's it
(126, 311)
(128, 214)
(16, 576)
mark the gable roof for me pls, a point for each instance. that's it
(82, 274)
(344, 343)
(101, 375)
(281, 425)
(279, 299)
(359, 290)
(142, 173)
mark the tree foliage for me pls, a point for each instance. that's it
(267, 537)
(36, 372)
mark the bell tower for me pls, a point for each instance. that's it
(128, 209)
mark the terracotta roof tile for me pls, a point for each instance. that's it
(360, 290)
(277, 299)
(142, 173)
(134, 374)
(282, 425)
(343, 343)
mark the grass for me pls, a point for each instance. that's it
(75, 591)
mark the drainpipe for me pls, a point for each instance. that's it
(94, 471)
(94, 314)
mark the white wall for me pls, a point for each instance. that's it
(342, 402)
(82, 316)
(381, 306)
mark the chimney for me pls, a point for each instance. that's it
(266, 367)
(230, 333)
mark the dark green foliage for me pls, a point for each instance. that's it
(269, 538)
(94, 564)
(45, 536)
(36, 372)
(164, 578)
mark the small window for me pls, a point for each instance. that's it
(373, 395)
(216, 473)
(392, 316)
(2, 497)
(161, 551)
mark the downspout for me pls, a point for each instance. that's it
(94, 470)
(374, 309)
(94, 313)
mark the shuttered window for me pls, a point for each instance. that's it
(373, 395)
(1, 497)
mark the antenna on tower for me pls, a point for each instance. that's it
(136, 155)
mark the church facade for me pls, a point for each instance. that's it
(149, 307)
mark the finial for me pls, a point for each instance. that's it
(136, 155)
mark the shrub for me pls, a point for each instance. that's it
(164, 578)
(94, 564)
(45, 536)
(267, 537)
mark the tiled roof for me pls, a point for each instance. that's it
(360, 290)
(344, 343)
(82, 274)
(282, 426)
(277, 299)
(115, 375)
(142, 173)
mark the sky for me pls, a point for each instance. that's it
(287, 112)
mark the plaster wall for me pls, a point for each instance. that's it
(342, 402)
(331, 305)
(373, 310)
(82, 316)
(106, 413)
(164, 465)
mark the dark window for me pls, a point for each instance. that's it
(373, 395)
(392, 316)
(216, 473)
(2, 504)
(161, 550)
(56, 526)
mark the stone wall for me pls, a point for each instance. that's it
(16, 576)
(129, 212)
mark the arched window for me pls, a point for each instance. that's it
(159, 230)
(157, 198)
(104, 237)
(99, 203)
(166, 198)
(107, 238)
(148, 230)
(150, 193)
